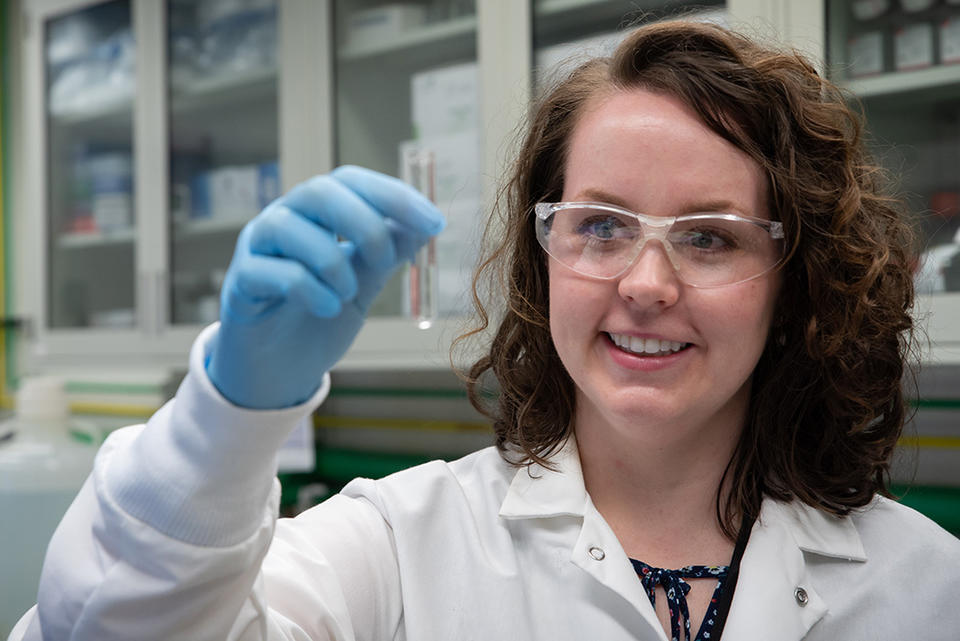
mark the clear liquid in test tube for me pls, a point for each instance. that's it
(419, 170)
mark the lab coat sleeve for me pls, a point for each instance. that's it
(167, 538)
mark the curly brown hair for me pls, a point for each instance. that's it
(827, 406)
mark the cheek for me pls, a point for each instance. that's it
(562, 305)
(744, 313)
(575, 305)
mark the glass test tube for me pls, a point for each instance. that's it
(419, 170)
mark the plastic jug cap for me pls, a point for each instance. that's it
(42, 398)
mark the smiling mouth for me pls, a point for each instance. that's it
(646, 346)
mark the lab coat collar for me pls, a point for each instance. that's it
(775, 597)
(816, 531)
(539, 492)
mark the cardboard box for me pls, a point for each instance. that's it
(950, 40)
(865, 54)
(111, 190)
(913, 46)
(233, 192)
(268, 183)
(445, 100)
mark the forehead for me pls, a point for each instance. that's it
(654, 153)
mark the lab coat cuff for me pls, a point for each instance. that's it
(202, 470)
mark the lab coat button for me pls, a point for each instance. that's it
(801, 596)
(597, 553)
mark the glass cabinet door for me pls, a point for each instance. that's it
(89, 59)
(407, 79)
(223, 139)
(566, 32)
(899, 58)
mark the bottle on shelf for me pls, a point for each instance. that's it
(45, 457)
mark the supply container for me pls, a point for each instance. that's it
(45, 456)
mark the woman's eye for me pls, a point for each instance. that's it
(603, 228)
(706, 239)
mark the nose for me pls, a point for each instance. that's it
(651, 279)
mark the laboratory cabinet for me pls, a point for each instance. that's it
(899, 60)
(152, 131)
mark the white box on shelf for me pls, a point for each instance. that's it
(444, 100)
(113, 212)
(865, 54)
(913, 46)
(111, 190)
(383, 23)
(950, 40)
(233, 192)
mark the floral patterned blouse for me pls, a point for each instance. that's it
(676, 590)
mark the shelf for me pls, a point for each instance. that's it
(207, 92)
(556, 6)
(396, 343)
(591, 10)
(207, 227)
(562, 21)
(888, 84)
(112, 113)
(77, 240)
(225, 88)
(439, 41)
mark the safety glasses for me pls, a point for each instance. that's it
(708, 249)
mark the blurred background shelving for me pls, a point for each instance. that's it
(149, 132)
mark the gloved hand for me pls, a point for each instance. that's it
(295, 296)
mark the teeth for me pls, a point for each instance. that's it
(646, 345)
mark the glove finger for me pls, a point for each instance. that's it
(406, 242)
(335, 207)
(259, 284)
(282, 232)
(393, 198)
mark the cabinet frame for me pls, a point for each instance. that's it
(304, 148)
(306, 67)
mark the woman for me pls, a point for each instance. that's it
(700, 366)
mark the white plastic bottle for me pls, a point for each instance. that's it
(45, 456)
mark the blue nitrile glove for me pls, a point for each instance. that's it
(295, 297)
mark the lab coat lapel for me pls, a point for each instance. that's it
(599, 554)
(775, 597)
(538, 492)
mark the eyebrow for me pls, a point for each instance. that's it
(719, 205)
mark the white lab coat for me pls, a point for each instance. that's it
(175, 537)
